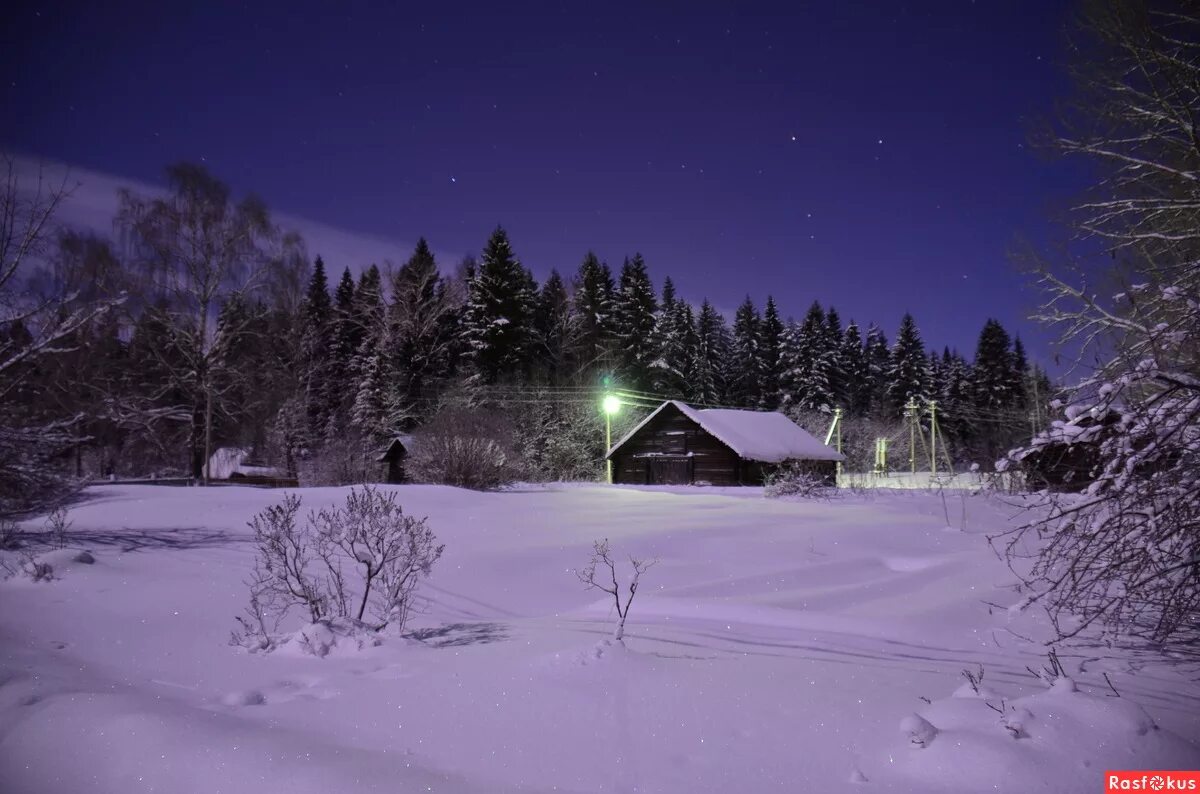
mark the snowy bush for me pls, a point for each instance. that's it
(342, 560)
(346, 460)
(796, 480)
(601, 574)
(466, 447)
(58, 527)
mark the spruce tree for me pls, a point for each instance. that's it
(770, 347)
(835, 363)
(634, 308)
(745, 361)
(674, 369)
(856, 372)
(315, 351)
(591, 316)
(711, 346)
(497, 324)
(419, 340)
(878, 355)
(995, 380)
(551, 323)
(908, 367)
(807, 362)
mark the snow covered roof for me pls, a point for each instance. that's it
(765, 436)
(404, 440)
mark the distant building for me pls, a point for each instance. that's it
(236, 465)
(681, 445)
(393, 459)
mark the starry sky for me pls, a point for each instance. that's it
(872, 155)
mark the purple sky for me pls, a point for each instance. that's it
(866, 154)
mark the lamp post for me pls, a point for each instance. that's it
(610, 404)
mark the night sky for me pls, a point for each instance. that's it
(867, 154)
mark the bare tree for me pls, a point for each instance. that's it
(1124, 557)
(34, 324)
(601, 574)
(199, 249)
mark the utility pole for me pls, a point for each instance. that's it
(911, 413)
(933, 435)
(835, 434)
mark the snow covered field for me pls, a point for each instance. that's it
(777, 646)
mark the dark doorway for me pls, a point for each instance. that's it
(670, 470)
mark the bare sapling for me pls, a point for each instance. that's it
(601, 574)
(58, 526)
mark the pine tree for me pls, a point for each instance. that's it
(770, 347)
(807, 362)
(344, 341)
(497, 324)
(419, 340)
(551, 322)
(836, 364)
(878, 355)
(746, 367)
(710, 351)
(634, 308)
(908, 368)
(676, 342)
(856, 372)
(1020, 372)
(591, 316)
(995, 379)
(315, 351)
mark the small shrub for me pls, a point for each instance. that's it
(601, 574)
(333, 566)
(58, 527)
(795, 480)
(467, 447)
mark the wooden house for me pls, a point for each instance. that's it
(393, 459)
(681, 445)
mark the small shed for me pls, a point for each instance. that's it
(393, 459)
(681, 445)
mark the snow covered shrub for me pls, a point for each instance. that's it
(796, 480)
(466, 447)
(340, 561)
(605, 580)
(345, 460)
(58, 527)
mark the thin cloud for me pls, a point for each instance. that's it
(93, 204)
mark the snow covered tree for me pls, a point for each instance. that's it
(674, 369)
(770, 347)
(834, 340)
(419, 340)
(199, 248)
(634, 308)
(345, 335)
(908, 368)
(552, 327)
(806, 363)
(710, 352)
(878, 355)
(746, 366)
(1124, 557)
(592, 316)
(498, 323)
(315, 339)
(995, 381)
(856, 372)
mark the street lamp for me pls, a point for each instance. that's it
(611, 404)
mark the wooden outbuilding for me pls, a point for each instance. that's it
(393, 459)
(681, 445)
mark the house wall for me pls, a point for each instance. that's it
(672, 435)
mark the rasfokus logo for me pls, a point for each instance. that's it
(1151, 780)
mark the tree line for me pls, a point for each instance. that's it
(219, 331)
